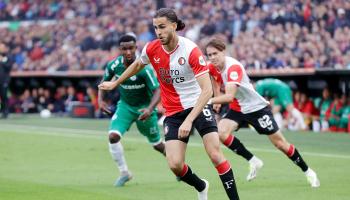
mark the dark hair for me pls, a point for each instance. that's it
(126, 38)
(216, 43)
(171, 16)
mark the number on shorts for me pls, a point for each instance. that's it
(206, 112)
(265, 121)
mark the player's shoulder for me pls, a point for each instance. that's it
(152, 45)
(233, 62)
(186, 43)
(116, 62)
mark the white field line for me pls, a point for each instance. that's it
(95, 134)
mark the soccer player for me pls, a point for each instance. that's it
(281, 94)
(138, 97)
(185, 90)
(229, 140)
(246, 105)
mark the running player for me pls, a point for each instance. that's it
(138, 97)
(246, 105)
(281, 94)
(185, 90)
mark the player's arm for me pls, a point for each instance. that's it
(146, 112)
(230, 93)
(216, 89)
(207, 92)
(135, 67)
(108, 75)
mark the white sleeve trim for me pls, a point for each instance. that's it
(150, 77)
(203, 72)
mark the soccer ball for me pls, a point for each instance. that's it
(45, 113)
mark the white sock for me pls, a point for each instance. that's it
(117, 153)
(253, 160)
(279, 120)
(299, 117)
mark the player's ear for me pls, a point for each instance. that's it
(174, 25)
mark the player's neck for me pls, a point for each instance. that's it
(172, 44)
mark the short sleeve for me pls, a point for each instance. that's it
(214, 73)
(144, 57)
(197, 62)
(150, 78)
(108, 74)
(234, 74)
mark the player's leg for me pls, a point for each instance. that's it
(226, 126)
(206, 127)
(175, 154)
(282, 144)
(120, 123)
(264, 123)
(149, 128)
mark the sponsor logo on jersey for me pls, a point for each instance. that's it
(234, 76)
(156, 60)
(133, 78)
(182, 61)
(132, 87)
(202, 61)
(170, 76)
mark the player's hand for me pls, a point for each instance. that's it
(185, 129)
(107, 85)
(145, 114)
(104, 107)
(216, 107)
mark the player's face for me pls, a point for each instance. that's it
(128, 50)
(165, 29)
(215, 56)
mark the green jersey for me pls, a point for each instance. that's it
(270, 87)
(323, 106)
(276, 89)
(138, 89)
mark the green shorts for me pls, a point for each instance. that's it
(284, 98)
(125, 115)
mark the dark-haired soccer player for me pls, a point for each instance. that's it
(185, 90)
(138, 97)
(246, 105)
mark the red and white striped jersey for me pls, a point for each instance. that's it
(176, 71)
(246, 100)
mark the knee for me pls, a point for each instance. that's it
(114, 138)
(175, 166)
(216, 156)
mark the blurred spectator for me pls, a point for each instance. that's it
(28, 103)
(80, 35)
(322, 105)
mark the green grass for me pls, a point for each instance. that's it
(64, 158)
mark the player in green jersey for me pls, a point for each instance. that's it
(281, 94)
(138, 97)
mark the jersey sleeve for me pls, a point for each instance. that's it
(197, 62)
(151, 79)
(234, 74)
(108, 74)
(144, 57)
(214, 73)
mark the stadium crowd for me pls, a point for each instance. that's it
(79, 35)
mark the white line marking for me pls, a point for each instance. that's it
(95, 134)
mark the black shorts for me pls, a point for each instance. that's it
(262, 120)
(204, 123)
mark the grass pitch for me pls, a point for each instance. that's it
(64, 158)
